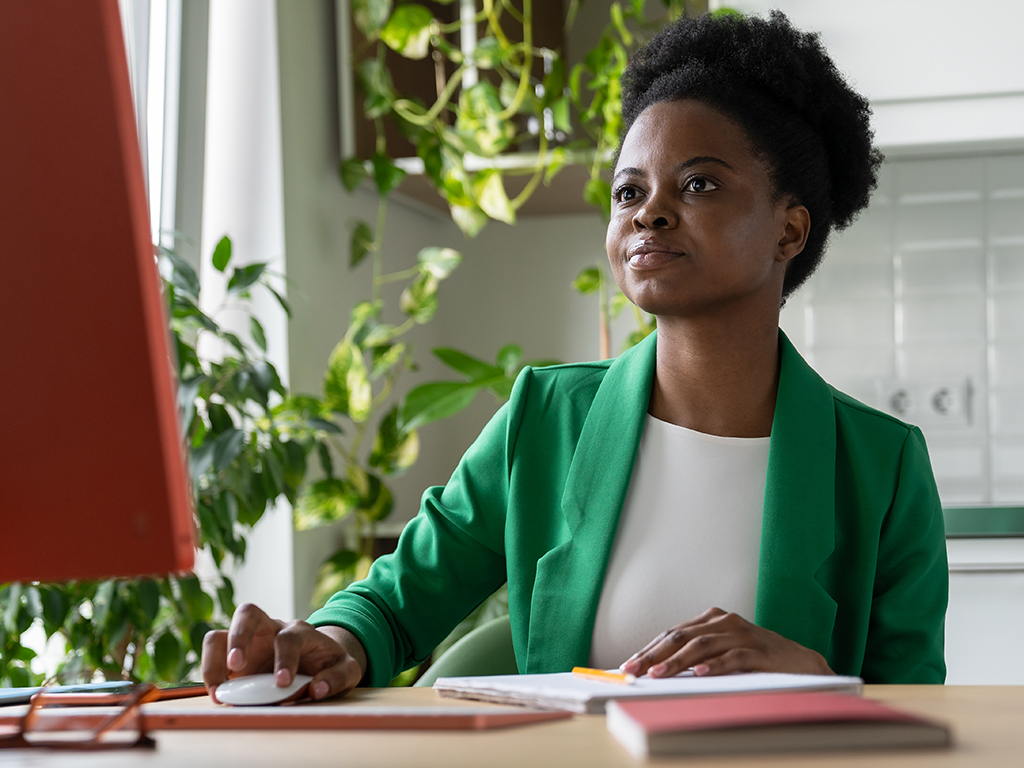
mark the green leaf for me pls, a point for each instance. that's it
(198, 603)
(384, 358)
(620, 25)
(488, 53)
(226, 596)
(598, 193)
(362, 243)
(222, 253)
(479, 121)
(408, 31)
(343, 560)
(470, 219)
(20, 677)
(560, 115)
(336, 573)
(470, 367)
(167, 656)
(507, 92)
(617, 304)
(184, 277)
(637, 336)
(378, 87)
(13, 597)
(371, 15)
(257, 333)
(196, 633)
(323, 452)
(245, 276)
(101, 602)
(490, 195)
(352, 172)
(295, 463)
(375, 499)
(434, 401)
(554, 83)
(324, 502)
(148, 594)
(587, 281)
(428, 148)
(226, 448)
(56, 606)
(346, 384)
(282, 301)
(556, 162)
(363, 319)
(394, 451)
(386, 174)
(33, 602)
(440, 262)
(419, 299)
(509, 357)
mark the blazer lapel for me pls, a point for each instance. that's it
(798, 524)
(570, 576)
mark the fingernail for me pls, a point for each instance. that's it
(657, 670)
(283, 678)
(632, 666)
(235, 660)
(701, 669)
(319, 689)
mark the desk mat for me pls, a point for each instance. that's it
(294, 717)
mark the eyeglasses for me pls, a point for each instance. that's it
(131, 707)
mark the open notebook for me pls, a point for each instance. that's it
(563, 690)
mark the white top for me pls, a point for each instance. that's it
(688, 539)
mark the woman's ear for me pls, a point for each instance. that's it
(796, 228)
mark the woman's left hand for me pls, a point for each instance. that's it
(716, 643)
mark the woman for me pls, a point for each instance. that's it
(708, 476)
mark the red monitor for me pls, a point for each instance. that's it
(92, 475)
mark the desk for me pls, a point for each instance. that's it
(988, 724)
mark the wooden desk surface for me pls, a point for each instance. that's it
(988, 725)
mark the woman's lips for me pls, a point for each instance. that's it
(651, 254)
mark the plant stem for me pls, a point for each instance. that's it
(538, 173)
(394, 277)
(524, 77)
(405, 327)
(402, 106)
(384, 393)
(378, 247)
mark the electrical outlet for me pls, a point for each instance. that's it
(943, 403)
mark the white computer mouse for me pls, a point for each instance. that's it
(253, 690)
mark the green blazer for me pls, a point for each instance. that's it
(852, 562)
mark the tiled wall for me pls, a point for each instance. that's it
(925, 293)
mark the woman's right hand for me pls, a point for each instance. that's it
(256, 643)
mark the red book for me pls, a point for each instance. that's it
(767, 722)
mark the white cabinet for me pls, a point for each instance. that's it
(985, 620)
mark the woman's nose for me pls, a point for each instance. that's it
(655, 213)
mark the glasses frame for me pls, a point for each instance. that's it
(131, 706)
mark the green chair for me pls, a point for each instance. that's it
(487, 650)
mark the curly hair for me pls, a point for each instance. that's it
(809, 127)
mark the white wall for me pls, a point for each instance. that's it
(938, 73)
(242, 197)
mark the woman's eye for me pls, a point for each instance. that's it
(625, 194)
(699, 184)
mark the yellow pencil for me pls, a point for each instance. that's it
(604, 677)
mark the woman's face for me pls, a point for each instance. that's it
(694, 228)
